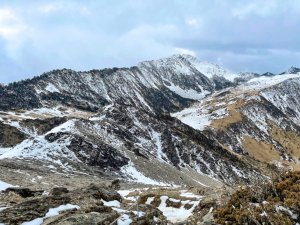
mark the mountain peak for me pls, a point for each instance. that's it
(293, 70)
(184, 62)
(171, 59)
(210, 69)
(268, 74)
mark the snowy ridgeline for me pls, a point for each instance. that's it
(201, 115)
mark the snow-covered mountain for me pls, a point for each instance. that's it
(259, 118)
(176, 120)
(211, 70)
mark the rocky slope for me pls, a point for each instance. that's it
(117, 120)
(259, 118)
(174, 121)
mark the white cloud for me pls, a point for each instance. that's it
(10, 23)
(49, 8)
(152, 31)
(65, 7)
(185, 51)
(193, 22)
(260, 8)
(37, 36)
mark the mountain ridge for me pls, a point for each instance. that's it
(120, 118)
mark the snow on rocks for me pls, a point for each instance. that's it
(45, 111)
(124, 220)
(4, 185)
(149, 200)
(194, 117)
(125, 194)
(52, 212)
(190, 195)
(133, 174)
(157, 138)
(51, 88)
(114, 203)
(210, 70)
(57, 210)
(65, 127)
(280, 208)
(175, 215)
(199, 117)
(40, 148)
(97, 118)
(188, 93)
(259, 83)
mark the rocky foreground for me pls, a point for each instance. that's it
(274, 202)
(105, 203)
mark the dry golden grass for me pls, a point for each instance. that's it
(233, 117)
(68, 112)
(289, 140)
(259, 150)
(296, 167)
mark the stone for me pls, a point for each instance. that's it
(59, 191)
(23, 192)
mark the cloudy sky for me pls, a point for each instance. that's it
(38, 36)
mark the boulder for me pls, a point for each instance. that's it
(58, 191)
(92, 218)
(31, 209)
(24, 192)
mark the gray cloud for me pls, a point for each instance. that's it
(37, 36)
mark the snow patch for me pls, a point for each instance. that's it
(210, 69)
(113, 203)
(40, 148)
(259, 83)
(47, 111)
(157, 138)
(194, 117)
(57, 210)
(190, 195)
(65, 127)
(52, 212)
(189, 93)
(176, 215)
(51, 88)
(124, 220)
(4, 185)
(149, 200)
(137, 176)
(97, 118)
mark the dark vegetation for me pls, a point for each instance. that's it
(273, 203)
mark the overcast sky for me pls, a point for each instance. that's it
(38, 36)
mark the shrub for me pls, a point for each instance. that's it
(276, 203)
